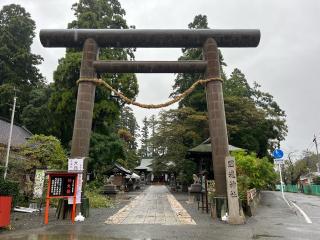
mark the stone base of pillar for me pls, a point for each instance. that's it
(237, 220)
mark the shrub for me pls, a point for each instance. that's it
(253, 172)
(316, 180)
(98, 200)
(2, 171)
(259, 171)
(44, 152)
(9, 188)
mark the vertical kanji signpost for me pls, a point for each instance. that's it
(232, 190)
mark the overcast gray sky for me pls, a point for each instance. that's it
(285, 64)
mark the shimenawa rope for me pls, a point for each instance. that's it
(149, 106)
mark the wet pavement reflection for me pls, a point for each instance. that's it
(58, 237)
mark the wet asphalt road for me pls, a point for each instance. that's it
(274, 220)
(309, 204)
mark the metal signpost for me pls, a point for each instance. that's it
(278, 155)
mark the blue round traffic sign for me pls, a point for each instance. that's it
(277, 153)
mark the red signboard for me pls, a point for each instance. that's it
(61, 185)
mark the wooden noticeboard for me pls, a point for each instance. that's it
(61, 185)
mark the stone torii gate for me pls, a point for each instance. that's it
(90, 40)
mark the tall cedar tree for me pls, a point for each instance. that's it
(128, 127)
(18, 66)
(152, 126)
(91, 14)
(106, 146)
(144, 150)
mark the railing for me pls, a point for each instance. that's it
(309, 189)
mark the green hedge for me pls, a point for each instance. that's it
(1, 172)
(9, 188)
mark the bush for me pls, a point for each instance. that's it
(98, 200)
(9, 188)
(44, 152)
(259, 171)
(253, 172)
(2, 172)
(316, 180)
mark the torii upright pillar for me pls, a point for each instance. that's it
(85, 103)
(217, 120)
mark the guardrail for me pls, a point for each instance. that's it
(310, 189)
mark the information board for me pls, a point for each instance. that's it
(62, 186)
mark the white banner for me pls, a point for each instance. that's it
(76, 164)
(38, 183)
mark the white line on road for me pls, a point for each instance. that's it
(285, 199)
(308, 220)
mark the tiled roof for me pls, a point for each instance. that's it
(146, 164)
(205, 147)
(118, 168)
(19, 134)
(121, 168)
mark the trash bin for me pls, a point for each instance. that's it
(5, 209)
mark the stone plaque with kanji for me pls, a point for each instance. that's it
(232, 191)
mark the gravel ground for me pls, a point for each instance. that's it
(31, 227)
(274, 220)
(26, 221)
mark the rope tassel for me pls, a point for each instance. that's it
(150, 106)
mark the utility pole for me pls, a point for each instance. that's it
(10, 135)
(316, 143)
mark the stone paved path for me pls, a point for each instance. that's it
(156, 205)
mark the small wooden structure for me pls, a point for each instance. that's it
(119, 173)
(202, 156)
(61, 184)
(145, 170)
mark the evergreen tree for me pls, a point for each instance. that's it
(18, 66)
(177, 131)
(128, 127)
(144, 150)
(152, 122)
(183, 81)
(35, 115)
(91, 14)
